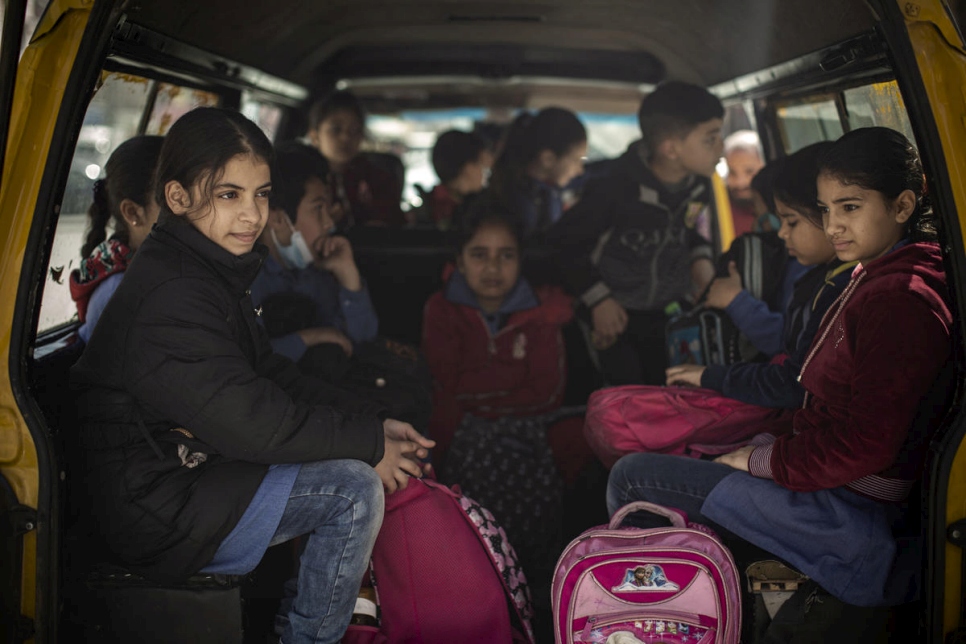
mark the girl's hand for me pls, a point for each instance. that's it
(688, 375)
(737, 459)
(323, 334)
(725, 289)
(336, 256)
(404, 449)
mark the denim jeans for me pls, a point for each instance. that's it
(339, 506)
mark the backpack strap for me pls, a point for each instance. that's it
(677, 518)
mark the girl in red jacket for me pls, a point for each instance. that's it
(826, 497)
(493, 343)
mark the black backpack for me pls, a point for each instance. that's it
(708, 336)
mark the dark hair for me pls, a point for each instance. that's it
(552, 128)
(130, 175)
(795, 182)
(453, 151)
(673, 109)
(764, 182)
(295, 164)
(338, 101)
(882, 159)
(486, 210)
(201, 143)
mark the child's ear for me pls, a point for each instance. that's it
(314, 136)
(668, 148)
(460, 265)
(905, 206)
(179, 201)
(133, 214)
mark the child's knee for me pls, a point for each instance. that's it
(364, 488)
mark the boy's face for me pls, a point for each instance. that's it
(804, 240)
(472, 178)
(312, 218)
(699, 151)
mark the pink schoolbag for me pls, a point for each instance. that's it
(444, 571)
(674, 420)
(678, 584)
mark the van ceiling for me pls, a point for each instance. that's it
(313, 42)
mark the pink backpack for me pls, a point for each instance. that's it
(674, 420)
(445, 571)
(678, 584)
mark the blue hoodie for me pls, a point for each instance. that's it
(776, 385)
(520, 298)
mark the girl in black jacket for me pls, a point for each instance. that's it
(202, 447)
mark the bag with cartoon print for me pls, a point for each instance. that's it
(676, 584)
(444, 571)
(508, 466)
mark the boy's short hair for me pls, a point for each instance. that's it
(453, 150)
(673, 109)
(295, 164)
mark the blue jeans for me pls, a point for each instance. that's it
(675, 482)
(339, 506)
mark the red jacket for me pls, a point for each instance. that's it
(867, 371)
(519, 371)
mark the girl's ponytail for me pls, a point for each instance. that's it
(98, 214)
(130, 175)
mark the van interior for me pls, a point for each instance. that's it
(797, 73)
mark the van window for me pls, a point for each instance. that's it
(803, 123)
(172, 101)
(829, 116)
(265, 115)
(115, 114)
(878, 104)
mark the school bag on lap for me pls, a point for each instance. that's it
(707, 336)
(687, 421)
(675, 584)
(445, 572)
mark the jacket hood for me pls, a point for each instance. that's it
(632, 167)
(238, 271)
(548, 304)
(916, 267)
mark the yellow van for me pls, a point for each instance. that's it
(78, 77)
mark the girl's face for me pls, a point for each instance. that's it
(567, 167)
(238, 208)
(338, 137)
(804, 240)
(490, 262)
(862, 224)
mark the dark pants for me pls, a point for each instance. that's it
(639, 357)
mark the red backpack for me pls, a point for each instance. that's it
(445, 572)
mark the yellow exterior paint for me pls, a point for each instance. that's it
(941, 58)
(726, 224)
(41, 79)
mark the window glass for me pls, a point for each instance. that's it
(878, 104)
(264, 115)
(809, 122)
(112, 117)
(412, 134)
(172, 102)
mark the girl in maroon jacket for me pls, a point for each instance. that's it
(493, 343)
(826, 497)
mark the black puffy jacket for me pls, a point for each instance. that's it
(178, 359)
